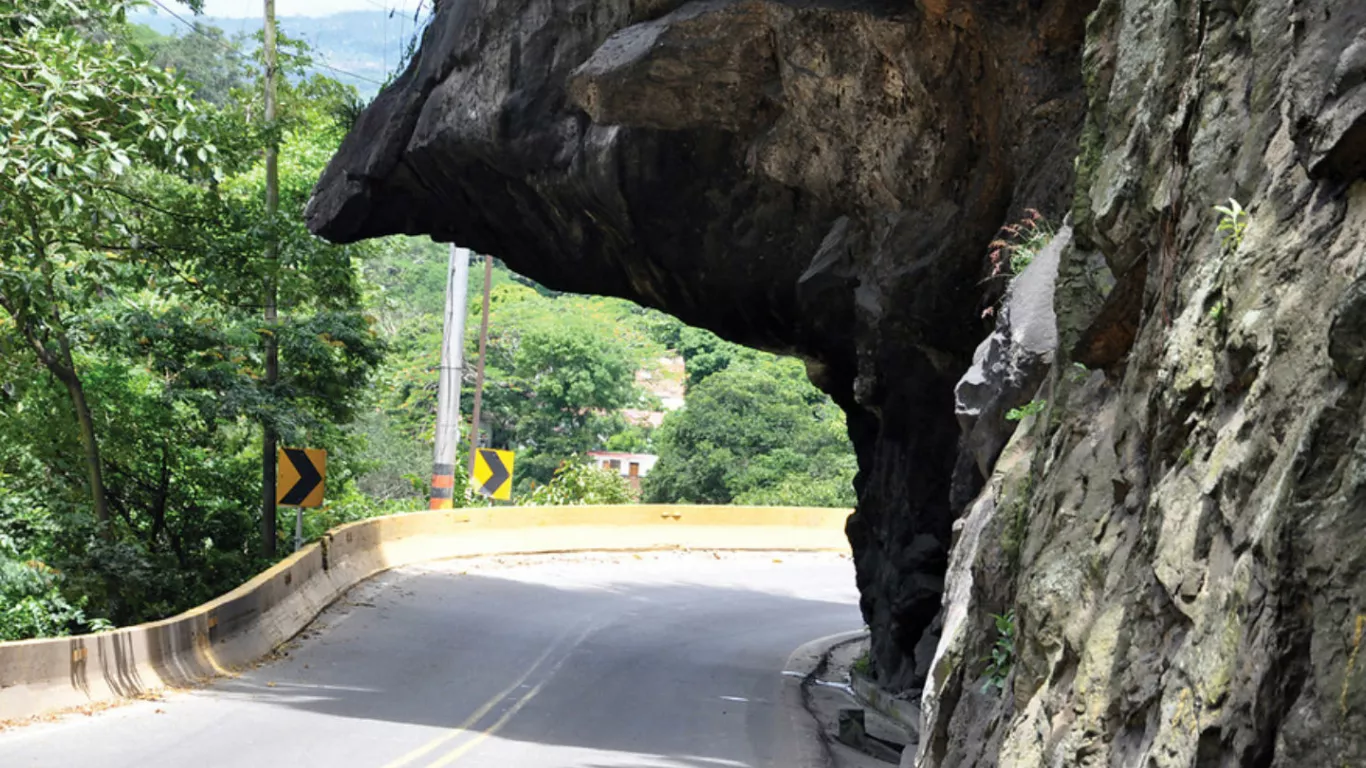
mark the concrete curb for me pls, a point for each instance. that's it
(900, 711)
(809, 749)
(241, 627)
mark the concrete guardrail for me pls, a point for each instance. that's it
(241, 627)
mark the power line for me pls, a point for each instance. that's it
(195, 28)
(372, 81)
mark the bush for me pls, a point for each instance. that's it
(32, 605)
(577, 482)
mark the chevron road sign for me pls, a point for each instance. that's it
(301, 479)
(493, 473)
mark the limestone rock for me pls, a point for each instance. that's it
(1191, 577)
(1010, 364)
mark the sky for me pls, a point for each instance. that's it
(253, 8)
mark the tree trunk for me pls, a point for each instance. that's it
(269, 438)
(163, 490)
(61, 365)
(66, 373)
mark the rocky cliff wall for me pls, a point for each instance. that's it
(1180, 532)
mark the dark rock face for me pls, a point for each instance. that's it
(813, 178)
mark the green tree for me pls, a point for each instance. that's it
(580, 482)
(559, 371)
(132, 234)
(757, 433)
(77, 116)
(704, 353)
(204, 57)
(560, 366)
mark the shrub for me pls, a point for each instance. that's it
(577, 482)
(1002, 656)
(32, 605)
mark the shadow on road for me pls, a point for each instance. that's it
(684, 672)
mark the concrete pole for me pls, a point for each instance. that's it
(448, 388)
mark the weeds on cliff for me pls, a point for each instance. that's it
(1028, 409)
(1019, 243)
(1002, 656)
(1187, 456)
(863, 665)
(1232, 224)
(1016, 246)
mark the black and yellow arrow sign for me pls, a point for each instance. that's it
(300, 477)
(493, 472)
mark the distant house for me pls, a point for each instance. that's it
(631, 466)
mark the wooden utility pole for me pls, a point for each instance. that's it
(269, 438)
(479, 372)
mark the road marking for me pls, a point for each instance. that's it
(488, 706)
(479, 714)
(497, 726)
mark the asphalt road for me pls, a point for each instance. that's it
(672, 660)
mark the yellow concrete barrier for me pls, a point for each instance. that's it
(38, 676)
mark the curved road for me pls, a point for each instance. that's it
(672, 660)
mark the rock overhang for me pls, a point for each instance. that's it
(812, 178)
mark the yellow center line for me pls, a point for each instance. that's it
(478, 715)
(497, 726)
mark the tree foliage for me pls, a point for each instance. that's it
(130, 262)
(579, 482)
(754, 431)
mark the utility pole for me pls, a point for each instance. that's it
(479, 373)
(269, 438)
(448, 388)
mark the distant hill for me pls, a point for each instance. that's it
(362, 46)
